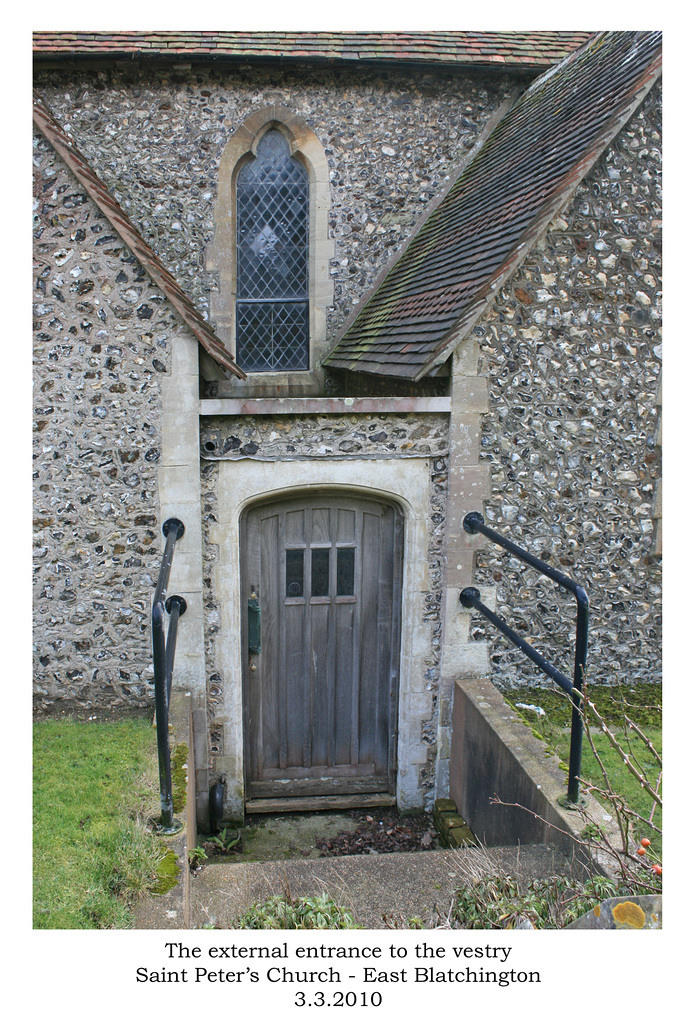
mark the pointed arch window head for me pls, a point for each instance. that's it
(271, 251)
(272, 196)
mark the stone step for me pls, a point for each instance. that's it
(382, 890)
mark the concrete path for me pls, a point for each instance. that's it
(382, 890)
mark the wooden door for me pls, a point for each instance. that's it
(321, 691)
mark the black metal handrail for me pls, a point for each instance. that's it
(164, 651)
(470, 598)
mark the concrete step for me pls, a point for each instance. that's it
(382, 890)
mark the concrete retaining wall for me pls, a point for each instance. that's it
(494, 754)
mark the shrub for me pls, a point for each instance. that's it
(554, 902)
(282, 912)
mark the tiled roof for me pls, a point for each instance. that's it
(478, 233)
(62, 143)
(532, 51)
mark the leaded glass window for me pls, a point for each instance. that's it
(272, 254)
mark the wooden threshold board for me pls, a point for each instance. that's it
(269, 805)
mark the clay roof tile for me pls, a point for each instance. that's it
(497, 206)
(464, 48)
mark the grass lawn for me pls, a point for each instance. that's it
(95, 783)
(642, 704)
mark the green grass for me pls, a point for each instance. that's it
(94, 785)
(642, 704)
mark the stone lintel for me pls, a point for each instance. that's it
(324, 406)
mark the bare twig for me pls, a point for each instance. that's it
(616, 745)
(650, 820)
(611, 796)
(645, 739)
(495, 799)
(603, 795)
(601, 845)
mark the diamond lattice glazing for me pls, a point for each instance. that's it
(272, 240)
(272, 335)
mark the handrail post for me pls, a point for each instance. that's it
(576, 728)
(163, 650)
(175, 606)
(161, 705)
(173, 530)
(470, 598)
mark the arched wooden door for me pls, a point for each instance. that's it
(321, 586)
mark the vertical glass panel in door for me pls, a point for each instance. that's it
(345, 572)
(294, 573)
(320, 572)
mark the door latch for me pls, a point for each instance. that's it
(254, 631)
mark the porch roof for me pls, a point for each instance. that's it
(476, 235)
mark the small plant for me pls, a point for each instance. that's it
(493, 902)
(397, 922)
(195, 857)
(223, 843)
(591, 832)
(283, 912)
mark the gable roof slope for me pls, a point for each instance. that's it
(505, 196)
(65, 147)
(523, 51)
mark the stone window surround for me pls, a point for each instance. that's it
(221, 255)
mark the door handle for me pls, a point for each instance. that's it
(254, 623)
